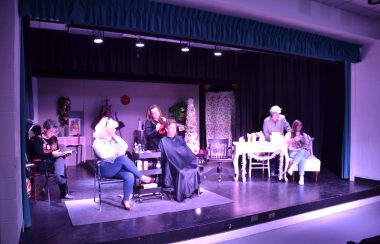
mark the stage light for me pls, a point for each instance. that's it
(373, 2)
(185, 48)
(98, 39)
(217, 51)
(139, 43)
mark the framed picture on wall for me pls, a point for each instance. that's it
(75, 125)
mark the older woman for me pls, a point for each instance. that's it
(299, 146)
(44, 146)
(154, 127)
(111, 149)
(180, 168)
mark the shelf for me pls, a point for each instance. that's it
(146, 155)
(140, 193)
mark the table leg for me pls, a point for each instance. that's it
(283, 168)
(244, 164)
(236, 167)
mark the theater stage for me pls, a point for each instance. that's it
(256, 201)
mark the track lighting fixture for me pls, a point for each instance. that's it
(217, 51)
(139, 43)
(98, 39)
(185, 47)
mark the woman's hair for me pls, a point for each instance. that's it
(149, 112)
(294, 128)
(49, 123)
(35, 130)
(169, 122)
(101, 127)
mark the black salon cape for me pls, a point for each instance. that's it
(179, 167)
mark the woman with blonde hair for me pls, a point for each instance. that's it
(111, 149)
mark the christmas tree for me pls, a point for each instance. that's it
(191, 136)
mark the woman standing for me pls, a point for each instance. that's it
(154, 127)
(111, 149)
(299, 146)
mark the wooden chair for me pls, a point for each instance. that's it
(313, 164)
(218, 151)
(43, 169)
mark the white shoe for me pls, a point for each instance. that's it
(301, 181)
(291, 169)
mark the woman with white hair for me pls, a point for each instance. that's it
(111, 149)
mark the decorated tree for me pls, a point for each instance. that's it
(191, 136)
(63, 109)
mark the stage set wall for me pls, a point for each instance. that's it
(89, 95)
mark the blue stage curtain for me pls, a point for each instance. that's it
(347, 125)
(24, 108)
(168, 20)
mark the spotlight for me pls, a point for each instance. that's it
(185, 48)
(217, 51)
(98, 37)
(373, 2)
(139, 43)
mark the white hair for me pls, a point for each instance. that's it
(275, 109)
(101, 128)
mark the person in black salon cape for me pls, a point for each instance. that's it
(180, 168)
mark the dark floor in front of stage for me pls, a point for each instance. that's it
(257, 197)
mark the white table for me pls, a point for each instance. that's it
(250, 148)
(78, 142)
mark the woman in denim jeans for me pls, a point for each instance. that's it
(111, 149)
(299, 146)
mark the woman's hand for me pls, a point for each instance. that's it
(57, 153)
(158, 126)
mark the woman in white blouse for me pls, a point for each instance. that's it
(111, 149)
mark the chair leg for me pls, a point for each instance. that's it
(316, 176)
(47, 186)
(94, 189)
(219, 170)
(250, 167)
(100, 195)
(268, 164)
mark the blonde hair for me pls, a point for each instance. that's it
(102, 126)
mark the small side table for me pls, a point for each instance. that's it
(76, 142)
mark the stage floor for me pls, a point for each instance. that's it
(256, 201)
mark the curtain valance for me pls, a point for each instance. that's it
(174, 21)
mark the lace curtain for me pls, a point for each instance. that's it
(220, 115)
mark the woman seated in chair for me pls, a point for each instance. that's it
(111, 149)
(299, 146)
(179, 164)
(45, 147)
